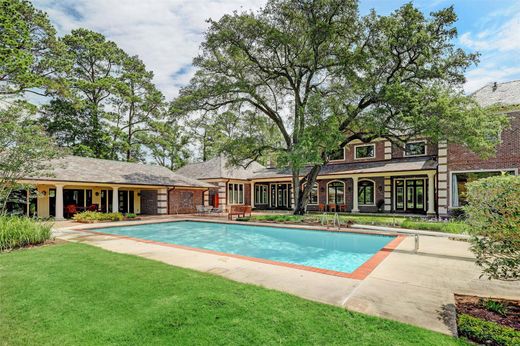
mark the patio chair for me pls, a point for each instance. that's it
(321, 207)
(70, 210)
(92, 207)
(218, 210)
(200, 209)
(331, 207)
(342, 207)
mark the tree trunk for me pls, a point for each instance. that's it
(302, 198)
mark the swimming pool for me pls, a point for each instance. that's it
(335, 251)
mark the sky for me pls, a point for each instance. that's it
(166, 34)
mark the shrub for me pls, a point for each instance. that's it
(494, 306)
(487, 332)
(91, 216)
(493, 212)
(21, 231)
(130, 216)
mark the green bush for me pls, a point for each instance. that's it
(130, 216)
(21, 231)
(494, 306)
(487, 332)
(91, 216)
(493, 212)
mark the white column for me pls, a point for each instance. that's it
(355, 207)
(252, 194)
(431, 194)
(59, 202)
(115, 199)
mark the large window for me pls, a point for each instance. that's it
(415, 148)
(313, 195)
(364, 151)
(366, 192)
(336, 192)
(261, 196)
(338, 155)
(459, 181)
(235, 193)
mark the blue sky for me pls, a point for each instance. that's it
(166, 33)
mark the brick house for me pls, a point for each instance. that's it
(422, 178)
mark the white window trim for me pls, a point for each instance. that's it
(364, 145)
(450, 179)
(344, 190)
(243, 192)
(342, 159)
(317, 193)
(374, 193)
(413, 142)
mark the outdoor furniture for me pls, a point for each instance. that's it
(321, 207)
(200, 209)
(70, 210)
(239, 211)
(92, 207)
(331, 207)
(208, 209)
(342, 207)
(218, 210)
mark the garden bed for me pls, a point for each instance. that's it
(490, 321)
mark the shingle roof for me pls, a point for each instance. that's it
(218, 168)
(84, 169)
(506, 94)
(404, 164)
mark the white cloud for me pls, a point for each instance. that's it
(165, 34)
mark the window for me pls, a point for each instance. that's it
(364, 151)
(313, 195)
(459, 180)
(336, 192)
(236, 193)
(415, 148)
(261, 194)
(338, 155)
(366, 192)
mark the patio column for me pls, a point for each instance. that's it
(59, 202)
(431, 194)
(355, 206)
(115, 199)
(252, 194)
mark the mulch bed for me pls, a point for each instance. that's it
(472, 305)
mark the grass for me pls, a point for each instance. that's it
(21, 231)
(393, 221)
(69, 293)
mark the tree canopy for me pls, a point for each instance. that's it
(324, 76)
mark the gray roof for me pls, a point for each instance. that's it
(505, 94)
(85, 169)
(403, 164)
(219, 168)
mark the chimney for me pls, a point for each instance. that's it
(495, 86)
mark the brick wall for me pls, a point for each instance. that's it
(183, 201)
(507, 155)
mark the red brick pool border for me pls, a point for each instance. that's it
(359, 274)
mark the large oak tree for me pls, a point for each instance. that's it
(325, 76)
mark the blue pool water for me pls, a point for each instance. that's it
(343, 252)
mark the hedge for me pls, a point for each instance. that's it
(489, 333)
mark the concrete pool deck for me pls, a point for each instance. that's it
(408, 287)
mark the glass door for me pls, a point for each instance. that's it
(415, 195)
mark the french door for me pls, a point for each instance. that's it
(410, 195)
(280, 196)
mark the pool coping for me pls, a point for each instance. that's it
(359, 274)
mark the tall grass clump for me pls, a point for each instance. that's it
(18, 232)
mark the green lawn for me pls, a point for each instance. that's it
(379, 220)
(77, 294)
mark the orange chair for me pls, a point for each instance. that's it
(331, 207)
(70, 210)
(321, 207)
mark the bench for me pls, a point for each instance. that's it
(239, 211)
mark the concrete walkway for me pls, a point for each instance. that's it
(408, 287)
